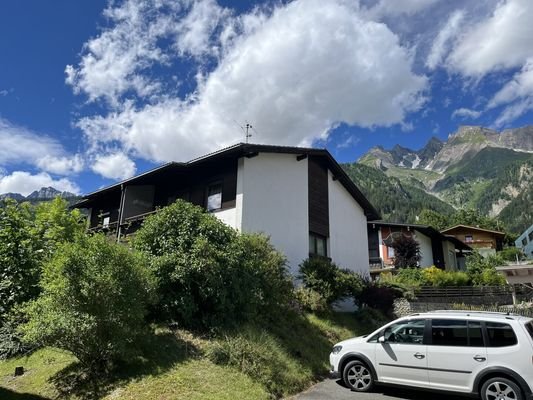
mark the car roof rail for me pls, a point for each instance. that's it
(502, 313)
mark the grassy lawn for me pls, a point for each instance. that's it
(272, 359)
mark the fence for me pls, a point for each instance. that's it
(424, 307)
(479, 295)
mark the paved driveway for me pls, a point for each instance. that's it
(332, 389)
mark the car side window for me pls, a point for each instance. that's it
(410, 331)
(500, 335)
(449, 332)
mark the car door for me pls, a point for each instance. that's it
(456, 353)
(401, 354)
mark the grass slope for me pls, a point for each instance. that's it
(267, 360)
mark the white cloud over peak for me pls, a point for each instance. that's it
(466, 113)
(25, 183)
(114, 166)
(295, 72)
(19, 145)
(498, 42)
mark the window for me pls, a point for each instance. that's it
(214, 197)
(411, 332)
(318, 245)
(446, 332)
(105, 222)
(469, 239)
(500, 335)
(524, 242)
(449, 332)
(390, 252)
(475, 334)
(529, 328)
(530, 236)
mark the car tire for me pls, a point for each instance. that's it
(358, 376)
(501, 389)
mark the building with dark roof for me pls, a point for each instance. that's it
(300, 197)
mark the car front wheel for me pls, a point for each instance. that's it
(357, 376)
(500, 389)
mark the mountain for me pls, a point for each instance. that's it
(475, 167)
(43, 194)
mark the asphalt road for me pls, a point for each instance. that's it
(332, 389)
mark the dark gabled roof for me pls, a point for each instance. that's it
(248, 149)
(426, 230)
(474, 228)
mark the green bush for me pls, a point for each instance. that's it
(331, 282)
(208, 274)
(434, 276)
(512, 254)
(20, 257)
(380, 296)
(93, 304)
(482, 271)
(310, 300)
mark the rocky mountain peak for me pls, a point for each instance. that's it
(45, 193)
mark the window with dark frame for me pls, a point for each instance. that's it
(500, 335)
(469, 239)
(214, 197)
(318, 245)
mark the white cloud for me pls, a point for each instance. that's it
(25, 183)
(499, 42)
(19, 145)
(442, 43)
(521, 86)
(295, 73)
(195, 30)
(398, 7)
(114, 166)
(465, 113)
(61, 165)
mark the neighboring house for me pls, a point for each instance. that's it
(300, 197)
(445, 252)
(485, 241)
(525, 242)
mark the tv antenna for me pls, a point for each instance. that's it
(246, 129)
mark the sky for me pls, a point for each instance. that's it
(94, 91)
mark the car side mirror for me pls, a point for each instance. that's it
(382, 339)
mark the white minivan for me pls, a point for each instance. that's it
(480, 353)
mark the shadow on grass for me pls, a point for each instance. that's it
(6, 394)
(157, 354)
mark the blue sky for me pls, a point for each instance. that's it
(95, 91)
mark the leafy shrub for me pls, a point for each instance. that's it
(208, 274)
(406, 251)
(93, 304)
(512, 254)
(11, 344)
(482, 271)
(434, 276)
(409, 276)
(20, 257)
(331, 282)
(380, 296)
(310, 300)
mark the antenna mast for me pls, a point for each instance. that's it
(248, 135)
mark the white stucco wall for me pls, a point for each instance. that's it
(348, 238)
(450, 259)
(228, 216)
(272, 197)
(426, 250)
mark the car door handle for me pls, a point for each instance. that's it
(420, 356)
(480, 358)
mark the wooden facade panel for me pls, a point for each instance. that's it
(318, 197)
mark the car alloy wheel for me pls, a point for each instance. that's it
(501, 389)
(358, 377)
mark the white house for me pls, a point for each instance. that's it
(300, 197)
